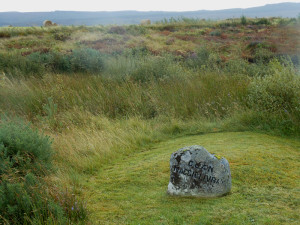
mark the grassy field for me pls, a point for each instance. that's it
(265, 185)
(115, 101)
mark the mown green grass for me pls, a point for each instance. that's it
(265, 184)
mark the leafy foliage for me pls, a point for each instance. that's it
(277, 98)
(243, 20)
(23, 149)
(25, 157)
(86, 60)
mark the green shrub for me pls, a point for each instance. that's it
(216, 33)
(243, 67)
(35, 64)
(86, 60)
(263, 21)
(117, 30)
(25, 157)
(52, 61)
(243, 20)
(27, 203)
(22, 147)
(199, 58)
(139, 51)
(263, 55)
(14, 65)
(154, 68)
(277, 95)
(276, 92)
(60, 36)
(136, 30)
(204, 59)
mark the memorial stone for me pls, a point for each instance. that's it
(196, 172)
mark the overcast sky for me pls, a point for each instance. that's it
(141, 5)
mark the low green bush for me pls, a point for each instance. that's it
(263, 21)
(15, 65)
(156, 67)
(117, 30)
(52, 61)
(199, 58)
(136, 30)
(277, 95)
(36, 63)
(216, 33)
(243, 20)
(204, 59)
(23, 150)
(25, 158)
(61, 36)
(276, 92)
(86, 60)
(80, 60)
(27, 203)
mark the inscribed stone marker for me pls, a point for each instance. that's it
(196, 172)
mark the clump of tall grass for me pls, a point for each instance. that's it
(194, 96)
(142, 67)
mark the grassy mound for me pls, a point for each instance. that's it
(265, 176)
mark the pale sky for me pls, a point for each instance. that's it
(140, 5)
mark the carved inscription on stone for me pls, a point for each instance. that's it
(194, 171)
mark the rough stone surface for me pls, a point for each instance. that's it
(47, 23)
(196, 172)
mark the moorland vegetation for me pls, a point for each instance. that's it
(93, 94)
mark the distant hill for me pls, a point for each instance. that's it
(134, 17)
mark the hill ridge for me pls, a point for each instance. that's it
(287, 9)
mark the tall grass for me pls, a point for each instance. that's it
(209, 95)
(98, 107)
(155, 88)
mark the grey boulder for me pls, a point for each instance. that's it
(196, 172)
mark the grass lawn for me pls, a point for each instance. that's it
(265, 184)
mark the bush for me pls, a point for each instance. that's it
(216, 33)
(117, 30)
(25, 157)
(277, 95)
(52, 61)
(35, 64)
(23, 150)
(86, 60)
(154, 68)
(27, 203)
(276, 92)
(136, 30)
(61, 36)
(204, 58)
(81, 60)
(14, 65)
(263, 21)
(243, 20)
